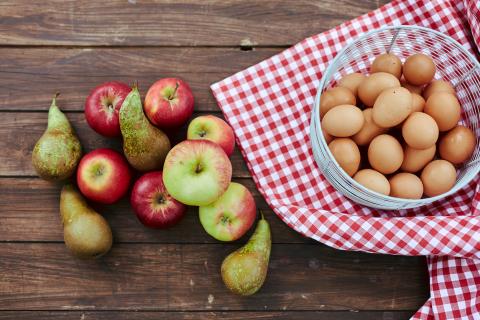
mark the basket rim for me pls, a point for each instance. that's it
(316, 119)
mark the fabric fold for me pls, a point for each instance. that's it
(269, 107)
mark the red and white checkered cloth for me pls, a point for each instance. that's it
(269, 106)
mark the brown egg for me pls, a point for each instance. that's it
(438, 177)
(335, 97)
(412, 88)
(418, 103)
(444, 108)
(457, 146)
(328, 137)
(347, 154)
(389, 63)
(415, 159)
(369, 130)
(343, 121)
(373, 180)
(406, 185)
(420, 131)
(392, 106)
(352, 81)
(385, 154)
(370, 89)
(438, 86)
(419, 69)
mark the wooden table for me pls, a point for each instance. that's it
(71, 46)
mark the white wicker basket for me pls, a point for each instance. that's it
(454, 64)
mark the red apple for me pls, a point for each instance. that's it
(231, 215)
(103, 175)
(214, 129)
(169, 103)
(152, 203)
(102, 106)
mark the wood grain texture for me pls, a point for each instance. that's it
(172, 23)
(29, 211)
(206, 315)
(20, 131)
(162, 277)
(71, 46)
(30, 76)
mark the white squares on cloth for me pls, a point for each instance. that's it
(269, 106)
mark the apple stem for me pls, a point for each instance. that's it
(172, 95)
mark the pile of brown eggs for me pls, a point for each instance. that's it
(406, 141)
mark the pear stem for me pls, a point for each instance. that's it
(54, 100)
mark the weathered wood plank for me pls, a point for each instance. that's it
(206, 315)
(30, 76)
(161, 277)
(147, 269)
(172, 23)
(19, 132)
(29, 212)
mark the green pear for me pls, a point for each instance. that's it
(245, 270)
(144, 145)
(86, 233)
(58, 151)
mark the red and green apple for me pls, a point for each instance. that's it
(169, 103)
(103, 175)
(231, 215)
(212, 128)
(102, 106)
(197, 172)
(152, 203)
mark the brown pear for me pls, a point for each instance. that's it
(86, 233)
(58, 151)
(244, 270)
(144, 145)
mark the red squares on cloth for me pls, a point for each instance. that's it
(269, 106)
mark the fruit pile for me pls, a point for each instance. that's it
(406, 118)
(195, 172)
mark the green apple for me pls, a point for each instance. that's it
(231, 215)
(197, 172)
